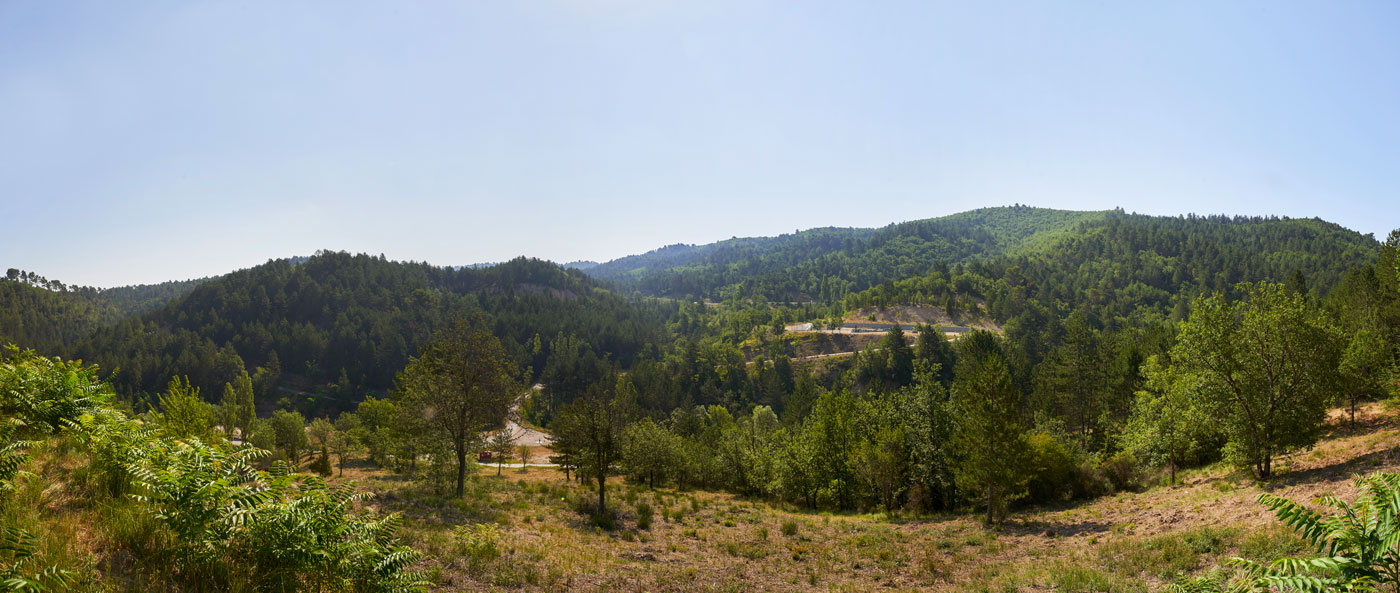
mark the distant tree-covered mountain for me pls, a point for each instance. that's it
(140, 298)
(825, 264)
(1072, 251)
(1125, 265)
(44, 318)
(49, 315)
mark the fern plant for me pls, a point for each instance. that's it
(277, 530)
(1357, 545)
(46, 391)
(201, 493)
(21, 572)
(114, 443)
(13, 455)
(307, 536)
(225, 524)
(20, 569)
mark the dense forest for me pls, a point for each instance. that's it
(824, 264)
(48, 314)
(827, 265)
(321, 332)
(340, 325)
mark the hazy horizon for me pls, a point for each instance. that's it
(147, 142)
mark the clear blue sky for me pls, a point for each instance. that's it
(144, 141)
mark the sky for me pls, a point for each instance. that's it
(149, 141)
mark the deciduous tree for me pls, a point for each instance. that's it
(1264, 367)
(462, 384)
(592, 426)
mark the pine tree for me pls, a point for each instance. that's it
(990, 437)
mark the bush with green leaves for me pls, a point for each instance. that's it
(277, 530)
(14, 454)
(113, 442)
(38, 396)
(479, 545)
(47, 392)
(222, 523)
(304, 535)
(645, 512)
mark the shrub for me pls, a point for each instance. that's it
(644, 515)
(1122, 471)
(204, 514)
(275, 530)
(479, 545)
(1055, 469)
(605, 519)
(47, 392)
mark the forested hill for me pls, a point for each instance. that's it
(46, 318)
(47, 314)
(824, 264)
(140, 298)
(343, 324)
(828, 265)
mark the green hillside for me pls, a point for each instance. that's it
(826, 265)
(340, 324)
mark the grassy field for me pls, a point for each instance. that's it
(522, 531)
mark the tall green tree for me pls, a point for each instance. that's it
(289, 430)
(1365, 368)
(882, 461)
(463, 384)
(591, 427)
(932, 348)
(236, 410)
(923, 411)
(899, 356)
(826, 440)
(1168, 426)
(500, 446)
(990, 440)
(1073, 377)
(1263, 366)
(183, 413)
(320, 435)
(245, 410)
(227, 410)
(649, 451)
